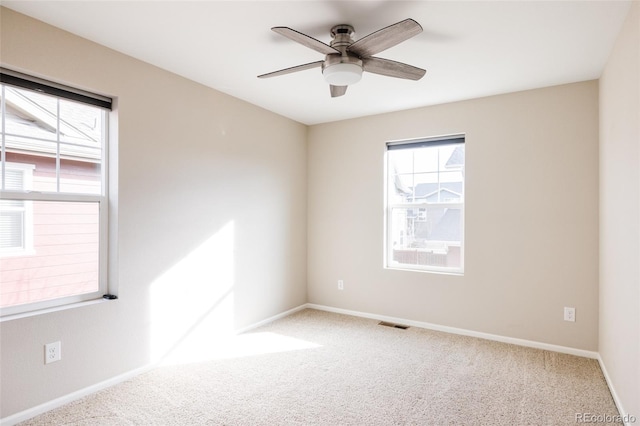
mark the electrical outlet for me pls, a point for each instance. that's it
(340, 285)
(52, 352)
(569, 314)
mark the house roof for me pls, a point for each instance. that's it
(457, 158)
(448, 227)
(32, 120)
(423, 190)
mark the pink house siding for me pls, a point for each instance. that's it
(63, 258)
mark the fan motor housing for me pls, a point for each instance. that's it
(342, 36)
(336, 58)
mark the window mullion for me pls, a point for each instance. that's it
(50, 196)
(438, 175)
(425, 205)
(58, 145)
(413, 176)
(2, 147)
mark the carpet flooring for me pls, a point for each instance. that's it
(319, 368)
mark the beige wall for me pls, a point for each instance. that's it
(211, 211)
(215, 190)
(620, 215)
(531, 216)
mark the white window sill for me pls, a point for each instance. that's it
(459, 273)
(12, 317)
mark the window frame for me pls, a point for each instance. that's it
(21, 81)
(388, 262)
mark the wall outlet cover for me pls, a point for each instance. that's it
(569, 314)
(52, 352)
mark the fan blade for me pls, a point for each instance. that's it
(292, 69)
(385, 38)
(338, 90)
(305, 40)
(392, 68)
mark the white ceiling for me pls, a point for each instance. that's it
(469, 49)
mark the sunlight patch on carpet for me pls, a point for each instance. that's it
(243, 345)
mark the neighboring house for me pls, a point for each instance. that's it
(432, 236)
(48, 249)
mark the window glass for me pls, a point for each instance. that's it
(425, 207)
(53, 206)
(64, 260)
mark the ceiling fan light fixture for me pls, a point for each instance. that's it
(342, 74)
(346, 59)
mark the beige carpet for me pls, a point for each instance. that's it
(318, 368)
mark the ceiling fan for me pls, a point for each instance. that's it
(346, 59)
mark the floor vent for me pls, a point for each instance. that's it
(390, 324)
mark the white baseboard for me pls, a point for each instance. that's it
(626, 417)
(614, 394)
(461, 331)
(271, 319)
(59, 402)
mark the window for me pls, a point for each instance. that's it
(15, 215)
(53, 187)
(425, 205)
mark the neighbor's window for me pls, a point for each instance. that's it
(53, 187)
(16, 221)
(425, 205)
